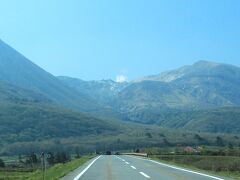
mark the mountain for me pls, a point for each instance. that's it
(11, 93)
(203, 86)
(20, 72)
(201, 68)
(103, 91)
(210, 83)
(200, 86)
(41, 112)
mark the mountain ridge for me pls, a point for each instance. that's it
(201, 86)
(17, 70)
(179, 72)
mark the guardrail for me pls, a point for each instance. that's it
(136, 154)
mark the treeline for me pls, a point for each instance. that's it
(102, 144)
(35, 161)
(195, 150)
(50, 157)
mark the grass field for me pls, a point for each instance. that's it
(227, 166)
(53, 173)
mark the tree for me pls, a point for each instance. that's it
(32, 159)
(2, 164)
(20, 158)
(77, 151)
(230, 145)
(137, 151)
(200, 139)
(62, 157)
(219, 141)
(149, 135)
(166, 142)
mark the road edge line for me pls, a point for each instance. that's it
(83, 171)
(181, 169)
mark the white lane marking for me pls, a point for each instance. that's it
(145, 175)
(181, 169)
(120, 158)
(133, 167)
(80, 175)
(127, 162)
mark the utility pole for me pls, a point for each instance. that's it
(43, 166)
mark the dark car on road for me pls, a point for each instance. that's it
(108, 153)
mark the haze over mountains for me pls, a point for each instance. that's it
(203, 97)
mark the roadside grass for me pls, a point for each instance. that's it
(60, 170)
(53, 173)
(10, 175)
(225, 166)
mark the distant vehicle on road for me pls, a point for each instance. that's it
(108, 153)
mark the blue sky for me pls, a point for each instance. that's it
(102, 39)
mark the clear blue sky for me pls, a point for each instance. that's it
(100, 39)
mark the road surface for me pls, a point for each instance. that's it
(132, 168)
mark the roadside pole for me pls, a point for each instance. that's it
(43, 166)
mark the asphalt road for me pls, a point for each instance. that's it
(133, 168)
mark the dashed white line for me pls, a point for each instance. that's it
(142, 173)
(80, 175)
(133, 167)
(120, 158)
(145, 175)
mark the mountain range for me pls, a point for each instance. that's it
(202, 86)
(203, 97)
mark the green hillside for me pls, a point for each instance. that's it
(13, 93)
(225, 120)
(217, 120)
(33, 127)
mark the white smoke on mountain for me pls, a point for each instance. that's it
(121, 78)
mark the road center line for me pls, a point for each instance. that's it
(133, 167)
(80, 175)
(145, 175)
(181, 169)
(127, 162)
